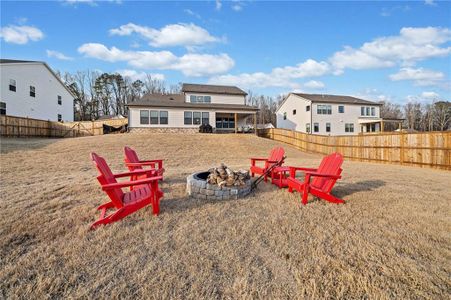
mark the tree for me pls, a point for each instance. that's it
(442, 112)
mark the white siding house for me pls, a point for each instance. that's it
(328, 114)
(222, 107)
(31, 89)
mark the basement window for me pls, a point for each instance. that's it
(32, 91)
(2, 108)
(12, 85)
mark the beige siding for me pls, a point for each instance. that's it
(219, 98)
(300, 119)
(176, 117)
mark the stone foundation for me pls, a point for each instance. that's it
(163, 130)
(200, 189)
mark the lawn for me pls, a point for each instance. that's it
(390, 240)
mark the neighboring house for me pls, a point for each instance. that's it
(31, 89)
(223, 107)
(328, 114)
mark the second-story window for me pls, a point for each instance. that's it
(367, 111)
(284, 115)
(32, 91)
(12, 85)
(199, 99)
(294, 112)
(373, 111)
(60, 100)
(341, 109)
(307, 108)
(324, 110)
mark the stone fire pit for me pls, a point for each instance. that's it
(197, 187)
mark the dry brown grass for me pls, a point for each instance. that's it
(391, 239)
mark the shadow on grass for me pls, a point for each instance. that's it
(361, 186)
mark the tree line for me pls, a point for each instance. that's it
(102, 94)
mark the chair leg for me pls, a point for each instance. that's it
(116, 216)
(305, 194)
(327, 197)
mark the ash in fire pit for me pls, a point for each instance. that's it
(219, 183)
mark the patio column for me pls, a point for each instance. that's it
(236, 121)
(255, 124)
(382, 126)
(400, 126)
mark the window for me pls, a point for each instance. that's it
(225, 122)
(188, 116)
(218, 123)
(284, 115)
(362, 111)
(327, 127)
(205, 118)
(316, 127)
(307, 127)
(12, 85)
(154, 117)
(60, 101)
(199, 99)
(341, 109)
(367, 111)
(163, 117)
(324, 110)
(373, 111)
(294, 112)
(2, 108)
(32, 91)
(349, 127)
(60, 118)
(144, 117)
(307, 108)
(196, 118)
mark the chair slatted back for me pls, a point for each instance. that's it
(131, 157)
(276, 154)
(107, 177)
(331, 164)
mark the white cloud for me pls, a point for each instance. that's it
(89, 2)
(407, 48)
(430, 2)
(237, 7)
(430, 95)
(189, 64)
(387, 12)
(373, 95)
(278, 77)
(170, 35)
(218, 5)
(192, 13)
(135, 75)
(58, 55)
(314, 85)
(420, 76)
(20, 34)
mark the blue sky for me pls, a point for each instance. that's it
(397, 51)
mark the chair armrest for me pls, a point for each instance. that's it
(322, 175)
(140, 164)
(132, 173)
(259, 159)
(130, 183)
(293, 170)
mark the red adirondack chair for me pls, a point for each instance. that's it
(126, 203)
(324, 178)
(133, 163)
(276, 155)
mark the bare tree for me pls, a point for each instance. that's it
(442, 113)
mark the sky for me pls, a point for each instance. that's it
(386, 50)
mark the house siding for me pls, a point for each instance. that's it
(351, 115)
(44, 105)
(219, 98)
(294, 122)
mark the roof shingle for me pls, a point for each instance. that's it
(214, 89)
(335, 99)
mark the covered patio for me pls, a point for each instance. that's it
(234, 122)
(371, 125)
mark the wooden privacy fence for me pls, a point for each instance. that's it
(426, 149)
(26, 127)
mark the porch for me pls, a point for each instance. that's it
(235, 122)
(379, 125)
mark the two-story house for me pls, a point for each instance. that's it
(222, 107)
(31, 89)
(328, 114)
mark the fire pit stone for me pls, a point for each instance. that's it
(197, 187)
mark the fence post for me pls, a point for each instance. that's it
(401, 149)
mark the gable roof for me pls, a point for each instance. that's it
(178, 101)
(323, 98)
(213, 89)
(16, 61)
